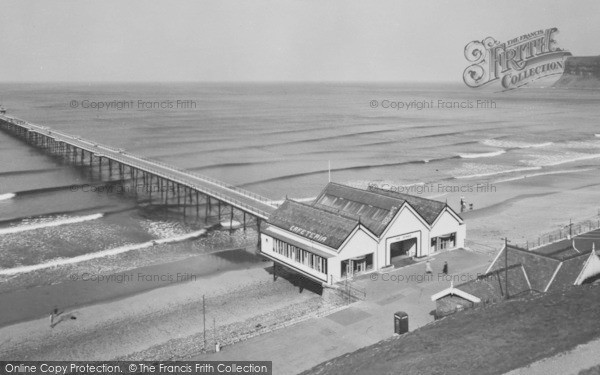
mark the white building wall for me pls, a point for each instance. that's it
(360, 243)
(267, 243)
(405, 223)
(446, 224)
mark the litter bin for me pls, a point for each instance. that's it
(400, 322)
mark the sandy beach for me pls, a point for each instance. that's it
(155, 320)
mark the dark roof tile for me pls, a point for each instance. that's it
(491, 286)
(313, 223)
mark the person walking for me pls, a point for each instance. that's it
(53, 316)
(428, 269)
(445, 269)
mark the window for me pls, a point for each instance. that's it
(316, 262)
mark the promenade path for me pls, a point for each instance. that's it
(302, 346)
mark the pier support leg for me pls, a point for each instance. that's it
(206, 209)
(167, 193)
(258, 233)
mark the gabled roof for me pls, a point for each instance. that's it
(452, 291)
(591, 268)
(339, 209)
(539, 267)
(568, 272)
(376, 227)
(429, 209)
(318, 225)
(548, 268)
(375, 207)
(491, 286)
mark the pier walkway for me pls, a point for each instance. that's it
(152, 171)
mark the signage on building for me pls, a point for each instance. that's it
(308, 234)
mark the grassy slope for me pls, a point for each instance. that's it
(493, 340)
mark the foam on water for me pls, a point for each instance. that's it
(50, 223)
(543, 174)
(7, 196)
(471, 170)
(163, 228)
(514, 144)
(558, 159)
(482, 154)
(99, 254)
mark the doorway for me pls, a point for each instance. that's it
(403, 249)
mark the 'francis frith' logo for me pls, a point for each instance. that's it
(515, 63)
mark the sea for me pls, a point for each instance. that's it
(280, 140)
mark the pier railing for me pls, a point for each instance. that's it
(148, 163)
(177, 179)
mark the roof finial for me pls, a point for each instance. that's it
(451, 283)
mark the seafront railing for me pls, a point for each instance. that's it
(565, 232)
(150, 162)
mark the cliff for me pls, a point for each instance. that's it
(581, 72)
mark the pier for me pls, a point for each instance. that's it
(170, 184)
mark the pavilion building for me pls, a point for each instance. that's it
(347, 230)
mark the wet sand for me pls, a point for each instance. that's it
(85, 288)
(136, 325)
(526, 208)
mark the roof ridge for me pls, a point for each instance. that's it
(341, 212)
(321, 209)
(405, 194)
(367, 191)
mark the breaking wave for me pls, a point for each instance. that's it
(482, 154)
(99, 254)
(494, 173)
(514, 144)
(53, 223)
(553, 160)
(7, 196)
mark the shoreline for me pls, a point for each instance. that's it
(87, 289)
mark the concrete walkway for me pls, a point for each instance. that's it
(308, 343)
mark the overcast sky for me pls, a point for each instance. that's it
(279, 40)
